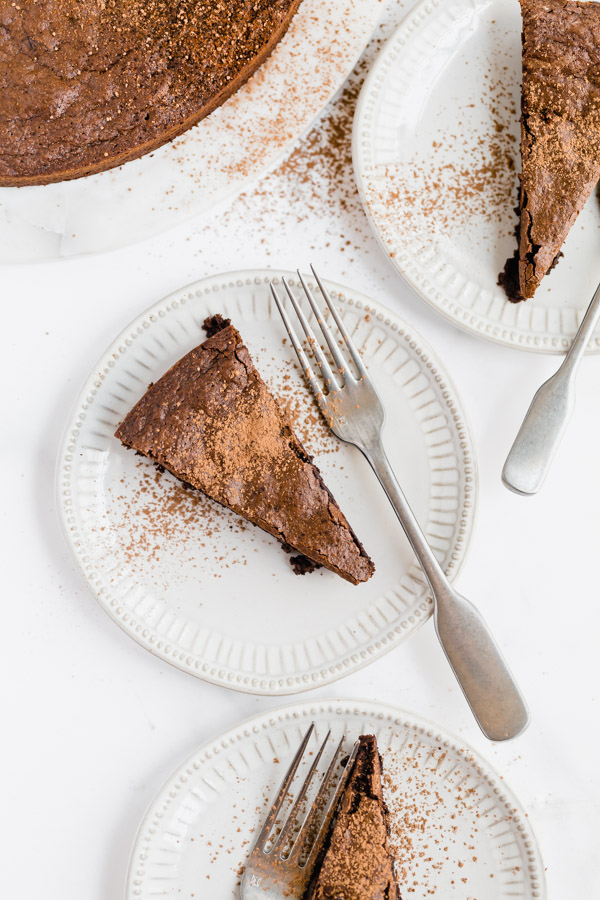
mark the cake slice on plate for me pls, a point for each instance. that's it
(356, 862)
(560, 133)
(213, 423)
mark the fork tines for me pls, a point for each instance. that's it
(334, 379)
(296, 843)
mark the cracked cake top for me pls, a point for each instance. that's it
(109, 80)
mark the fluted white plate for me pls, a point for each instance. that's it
(450, 76)
(219, 600)
(457, 829)
(225, 152)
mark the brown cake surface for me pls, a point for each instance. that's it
(89, 84)
(356, 862)
(213, 423)
(560, 132)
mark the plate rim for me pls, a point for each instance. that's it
(62, 486)
(424, 9)
(378, 709)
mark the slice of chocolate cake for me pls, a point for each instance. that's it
(213, 423)
(560, 133)
(356, 862)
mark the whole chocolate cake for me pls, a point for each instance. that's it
(86, 85)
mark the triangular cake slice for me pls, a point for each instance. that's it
(560, 132)
(213, 423)
(356, 862)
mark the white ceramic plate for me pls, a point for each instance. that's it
(218, 599)
(238, 142)
(456, 828)
(435, 133)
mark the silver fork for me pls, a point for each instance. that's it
(281, 862)
(354, 412)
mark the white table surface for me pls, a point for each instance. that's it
(93, 724)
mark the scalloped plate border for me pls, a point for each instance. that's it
(403, 262)
(165, 649)
(387, 714)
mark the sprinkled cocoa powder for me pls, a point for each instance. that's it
(317, 177)
(154, 514)
(469, 176)
(423, 845)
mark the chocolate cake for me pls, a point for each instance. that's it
(356, 863)
(560, 133)
(86, 85)
(213, 423)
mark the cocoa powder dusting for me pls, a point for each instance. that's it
(155, 515)
(467, 175)
(317, 177)
(466, 179)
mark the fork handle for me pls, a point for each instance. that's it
(540, 434)
(476, 660)
(380, 464)
(538, 439)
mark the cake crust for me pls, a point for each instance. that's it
(111, 80)
(213, 423)
(560, 133)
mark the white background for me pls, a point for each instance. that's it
(93, 724)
